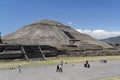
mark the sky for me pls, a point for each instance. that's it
(98, 18)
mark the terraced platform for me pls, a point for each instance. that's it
(26, 51)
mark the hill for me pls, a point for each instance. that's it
(112, 40)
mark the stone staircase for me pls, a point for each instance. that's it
(33, 52)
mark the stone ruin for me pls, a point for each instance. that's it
(46, 38)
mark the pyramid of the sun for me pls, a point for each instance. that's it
(47, 32)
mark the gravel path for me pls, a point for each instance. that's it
(77, 71)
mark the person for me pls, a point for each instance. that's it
(57, 68)
(101, 60)
(19, 68)
(87, 65)
(61, 63)
(60, 68)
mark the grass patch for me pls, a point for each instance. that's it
(49, 61)
(117, 78)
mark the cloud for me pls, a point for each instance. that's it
(69, 22)
(100, 34)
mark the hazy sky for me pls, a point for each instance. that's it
(98, 18)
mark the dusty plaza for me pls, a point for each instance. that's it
(97, 71)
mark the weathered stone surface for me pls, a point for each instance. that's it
(47, 32)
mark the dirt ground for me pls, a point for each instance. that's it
(97, 71)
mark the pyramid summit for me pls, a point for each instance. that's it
(53, 33)
(50, 22)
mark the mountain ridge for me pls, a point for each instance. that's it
(112, 40)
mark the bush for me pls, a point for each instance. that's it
(0, 41)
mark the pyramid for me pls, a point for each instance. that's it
(53, 33)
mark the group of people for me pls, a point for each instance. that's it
(103, 61)
(18, 67)
(59, 67)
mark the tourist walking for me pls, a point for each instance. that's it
(19, 68)
(59, 68)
